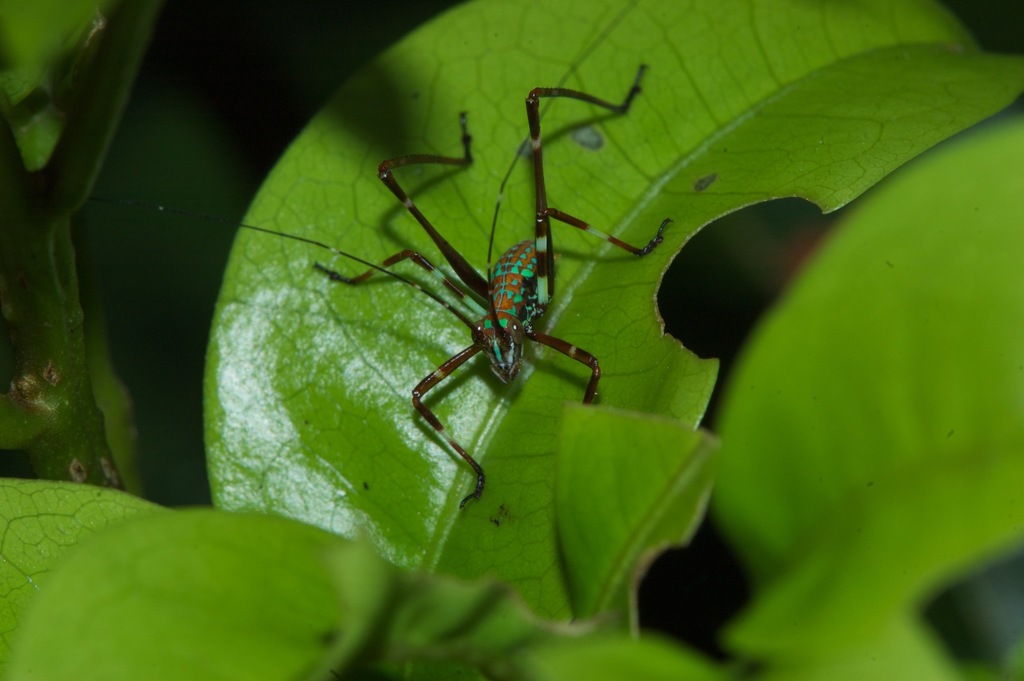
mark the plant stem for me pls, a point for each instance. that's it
(50, 400)
(51, 410)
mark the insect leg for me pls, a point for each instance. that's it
(421, 389)
(463, 269)
(542, 226)
(422, 262)
(581, 356)
(590, 229)
(416, 257)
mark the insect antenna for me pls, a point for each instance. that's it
(294, 237)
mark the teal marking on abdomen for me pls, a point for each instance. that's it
(514, 284)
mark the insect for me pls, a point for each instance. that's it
(507, 301)
(512, 297)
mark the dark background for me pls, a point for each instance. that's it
(224, 89)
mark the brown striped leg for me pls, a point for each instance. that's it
(581, 356)
(422, 262)
(590, 229)
(542, 227)
(463, 269)
(416, 257)
(438, 375)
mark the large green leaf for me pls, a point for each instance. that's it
(217, 596)
(308, 382)
(39, 523)
(873, 440)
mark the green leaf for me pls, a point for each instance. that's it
(308, 382)
(420, 620)
(42, 45)
(202, 594)
(873, 448)
(901, 649)
(39, 523)
(191, 595)
(627, 487)
(33, 33)
(607, 658)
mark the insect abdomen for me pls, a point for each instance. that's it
(514, 283)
